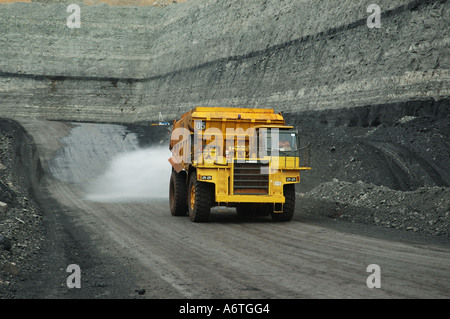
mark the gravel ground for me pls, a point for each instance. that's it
(390, 172)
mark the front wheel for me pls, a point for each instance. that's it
(289, 205)
(200, 199)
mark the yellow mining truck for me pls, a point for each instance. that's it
(235, 157)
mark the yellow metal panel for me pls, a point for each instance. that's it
(232, 110)
(250, 198)
(246, 114)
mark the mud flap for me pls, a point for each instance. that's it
(176, 164)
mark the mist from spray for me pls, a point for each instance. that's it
(136, 176)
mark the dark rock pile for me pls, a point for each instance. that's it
(21, 219)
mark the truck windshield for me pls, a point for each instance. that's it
(277, 141)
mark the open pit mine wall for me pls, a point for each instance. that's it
(127, 64)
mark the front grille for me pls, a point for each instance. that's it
(249, 180)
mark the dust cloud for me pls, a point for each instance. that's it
(135, 176)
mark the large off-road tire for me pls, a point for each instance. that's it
(289, 204)
(178, 194)
(200, 199)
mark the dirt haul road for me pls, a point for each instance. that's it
(124, 245)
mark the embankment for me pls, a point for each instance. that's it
(126, 64)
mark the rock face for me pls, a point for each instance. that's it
(22, 229)
(126, 64)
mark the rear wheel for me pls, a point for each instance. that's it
(178, 194)
(200, 199)
(289, 205)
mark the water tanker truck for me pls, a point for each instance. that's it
(235, 157)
